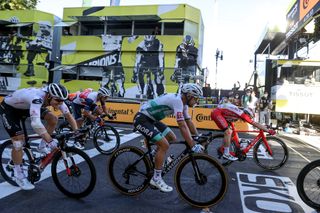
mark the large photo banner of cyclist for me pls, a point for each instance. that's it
(25, 48)
(133, 66)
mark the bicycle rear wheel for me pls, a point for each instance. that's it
(129, 171)
(201, 180)
(308, 184)
(106, 139)
(6, 163)
(265, 159)
(75, 175)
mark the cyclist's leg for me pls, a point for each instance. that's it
(11, 121)
(147, 128)
(77, 114)
(141, 80)
(165, 131)
(223, 125)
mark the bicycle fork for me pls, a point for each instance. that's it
(71, 167)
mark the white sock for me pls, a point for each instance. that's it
(18, 173)
(226, 150)
(157, 174)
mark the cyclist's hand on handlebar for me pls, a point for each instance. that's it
(271, 132)
(98, 119)
(112, 116)
(198, 148)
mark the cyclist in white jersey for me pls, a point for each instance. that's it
(147, 122)
(32, 102)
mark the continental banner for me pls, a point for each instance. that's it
(200, 116)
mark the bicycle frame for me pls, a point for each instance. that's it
(260, 135)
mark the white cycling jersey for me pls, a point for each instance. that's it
(32, 99)
(164, 105)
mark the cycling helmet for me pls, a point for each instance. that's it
(249, 112)
(193, 89)
(149, 37)
(57, 91)
(104, 92)
(188, 40)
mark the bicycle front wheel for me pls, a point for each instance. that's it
(74, 174)
(308, 184)
(6, 163)
(129, 171)
(201, 180)
(106, 139)
(271, 160)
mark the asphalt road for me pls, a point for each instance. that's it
(251, 189)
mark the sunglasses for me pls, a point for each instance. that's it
(58, 100)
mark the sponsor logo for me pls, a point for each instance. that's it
(37, 101)
(144, 131)
(121, 111)
(179, 115)
(105, 60)
(266, 193)
(201, 117)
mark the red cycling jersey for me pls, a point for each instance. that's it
(226, 113)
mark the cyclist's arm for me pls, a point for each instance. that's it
(259, 126)
(36, 124)
(192, 127)
(246, 118)
(185, 132)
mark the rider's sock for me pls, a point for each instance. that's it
(157, 174)
(18, 173)
(226, 150)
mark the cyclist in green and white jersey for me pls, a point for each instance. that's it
(148, 122)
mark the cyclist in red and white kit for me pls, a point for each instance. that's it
(32, 102)
(226, 113)
(86, 102)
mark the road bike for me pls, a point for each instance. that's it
(199, 179)
(72, 169)
(105, 138)
(308, 184)
(269, 152)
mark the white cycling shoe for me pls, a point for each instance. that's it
(160, 184)
(229, 157)
(24, 183)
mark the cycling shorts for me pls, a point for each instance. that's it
(152, 130)
(218, 118)
(12, 117)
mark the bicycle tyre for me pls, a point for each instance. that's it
(125, 177)
(110, 140)
(5, 158)
(186, 184)
(279, 150)
(307, 186)
(87, 172)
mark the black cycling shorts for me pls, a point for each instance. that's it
(12, 117)
(152, 130)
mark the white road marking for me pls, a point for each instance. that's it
(6, 189)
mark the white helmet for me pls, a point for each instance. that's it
(149, 37)
(193, 89)
(104, 92)
(249, 112)
(57, 91)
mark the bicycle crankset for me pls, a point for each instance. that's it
(34, 173)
